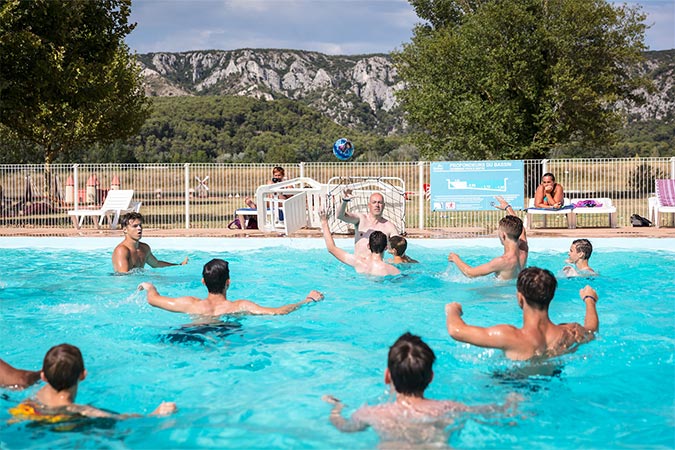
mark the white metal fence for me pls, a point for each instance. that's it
(206, 195)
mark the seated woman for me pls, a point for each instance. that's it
(278, 175)
(549, 193)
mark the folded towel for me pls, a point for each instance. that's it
(665, 191)
(587, 204)
(551, 209)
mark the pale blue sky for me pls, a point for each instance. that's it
(329, 26)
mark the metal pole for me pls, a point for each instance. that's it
(187, 195)
(302, 170)
(76, 188)
(421, 195)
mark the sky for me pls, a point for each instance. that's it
(334, 27)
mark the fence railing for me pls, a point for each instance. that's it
(206, 195)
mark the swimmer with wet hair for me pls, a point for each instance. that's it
(62, 370)
(513, 237)
(411, 418)
(578, 256)
(131, 253)
(397, 247)
(216, 278)
(371, 264)
(539, 338)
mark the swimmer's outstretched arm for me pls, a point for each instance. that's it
(506, 207)
(178, 304)
(16, 378)
(503, 337)
(164, 409)
(336, 418)
(249, 307)
(590, 297)
(333, 249)
(154, 262)
(342, 211)
(478, 271)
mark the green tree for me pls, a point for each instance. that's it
(515, 78)
(66, 77)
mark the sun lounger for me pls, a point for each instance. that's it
(664, 202)
(567, 210)
(116, 203)
(602, 206)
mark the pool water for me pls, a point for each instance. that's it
(257, 382)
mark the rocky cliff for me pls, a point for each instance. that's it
(356, 91)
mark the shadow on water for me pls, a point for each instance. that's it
(531, 377)
(202, 334)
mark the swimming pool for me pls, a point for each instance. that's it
(258, 382)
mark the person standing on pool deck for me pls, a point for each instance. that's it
(365, 224)
(539, 338)
(370, 264)
(513, 237)
(14, 378)
(62, 370)
(216, 278)
(131, 253)
(411, 418)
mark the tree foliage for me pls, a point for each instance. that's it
(66, 77)
(516, 78)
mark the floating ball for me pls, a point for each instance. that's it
(343, 149)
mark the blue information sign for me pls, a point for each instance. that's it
(473, 185)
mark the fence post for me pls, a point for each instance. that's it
(187, 195)
(672, 168)
(76, 188)
(544, 166)
(302, 169)
(421, 194)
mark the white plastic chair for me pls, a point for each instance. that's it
(116, 202)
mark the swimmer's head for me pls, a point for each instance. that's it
(583, 247)
(409, 365)
(377, 242)
(376, 204)
(512, 227)
(216, 275)
(63, 367)
(537, 287)
(128, 217)
(398, 244)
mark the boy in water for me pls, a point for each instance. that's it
(539, 338)
(371, 263)
(579, 254)
(513, 237)
(62, 370)
(411, 418)
(216, 278)
(397, 247)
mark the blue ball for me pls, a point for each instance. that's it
(343, 149)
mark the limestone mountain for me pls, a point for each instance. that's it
(354, 91)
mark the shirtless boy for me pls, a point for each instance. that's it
(216, 278)
(365, 224)
(62, 370)
(513, 237)
(131, 253)
(539, 338)
(371, 263)
(397, 247)
(411, 418)
(579, 254)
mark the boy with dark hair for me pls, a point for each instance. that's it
(216, 278)
(371, 264)
(62, 370)
(513, 237)
(411, 418)
(579, 254)
(131, 253)
(538, 338)
(397, 247)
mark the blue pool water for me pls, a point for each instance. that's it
(258, 382)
